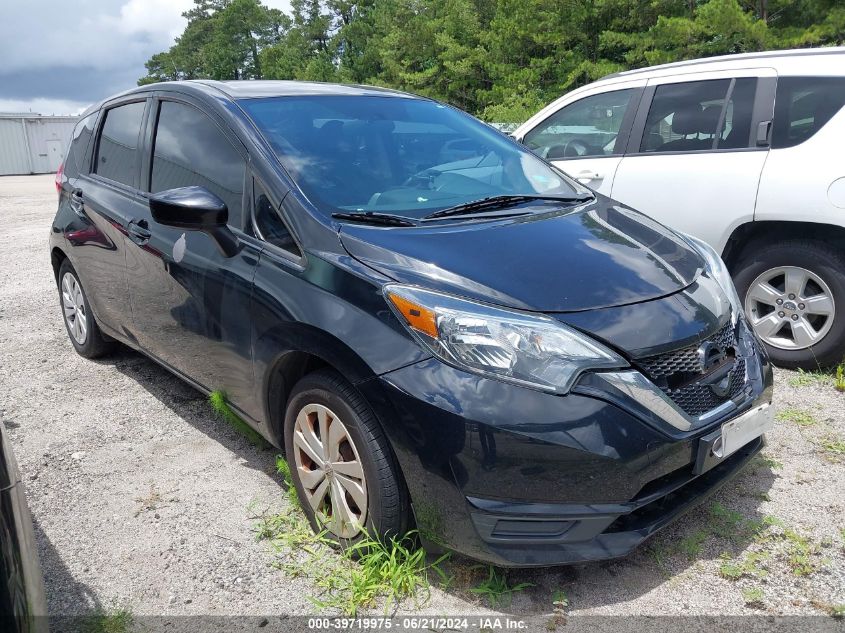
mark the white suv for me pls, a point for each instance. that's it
(742, 151)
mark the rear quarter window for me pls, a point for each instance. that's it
(803, 105)
(76, 163)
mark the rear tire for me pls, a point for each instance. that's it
(794, 295)
(80, 323)
(347, 457)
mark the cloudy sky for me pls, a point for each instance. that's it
(59, 56)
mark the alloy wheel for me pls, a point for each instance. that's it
(76, 313)
(330, 470)
(790, 308)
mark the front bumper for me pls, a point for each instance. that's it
(517, 477)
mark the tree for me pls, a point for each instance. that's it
(500, 59)
(223, 40)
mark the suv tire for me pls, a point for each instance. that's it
(818, 270)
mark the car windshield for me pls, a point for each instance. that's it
(399, 155)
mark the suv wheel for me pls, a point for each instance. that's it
(82, 328)
(343, 469)
(795, 298)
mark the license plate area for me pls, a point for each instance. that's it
(733, 435)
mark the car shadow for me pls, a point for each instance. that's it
(66, 595)
(191, 405)
(724, 525)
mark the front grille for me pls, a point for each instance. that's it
(699, 399)
(675, 373)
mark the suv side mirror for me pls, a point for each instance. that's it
(195, 209)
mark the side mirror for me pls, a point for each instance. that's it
(195, 209)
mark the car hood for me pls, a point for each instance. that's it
(595, 256)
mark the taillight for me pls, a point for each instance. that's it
(59, 175)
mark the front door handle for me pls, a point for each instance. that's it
(587, 176)
(139, 231)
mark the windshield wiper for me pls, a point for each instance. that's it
(368, 217)
(501, 202)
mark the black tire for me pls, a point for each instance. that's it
(388, 508)
(94, 344)
(822, 260)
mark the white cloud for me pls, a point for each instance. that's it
(103, 34)
(56, 55)
(43, 106)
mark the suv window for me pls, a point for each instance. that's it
(588, 127)
(82, 133)
(191, 150)
(117, 153)
(271, 227)
(803, 105)
(700, 115)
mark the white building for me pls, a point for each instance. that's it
(32, 143)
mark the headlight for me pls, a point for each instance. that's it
(527, 349)
(716, 267)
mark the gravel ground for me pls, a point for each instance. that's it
(143, 500)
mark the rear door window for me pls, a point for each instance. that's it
(802, 107)
(699, 116)
(587, 127)
(117, 153)
(191, 150)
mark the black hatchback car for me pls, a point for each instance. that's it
(442, 330)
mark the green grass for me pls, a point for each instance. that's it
(773, 539)
(751, 564)
(764, 461)
(833, 445)
(796, 416)
(376, 569)
(837, 611)
(839, 381)
(753, 596)
(810, 378)
(360, 576)
(283, 468)
(496, 589)
(218, 401)
(721, 522)
(560, 603)
(115, 620)
(800, 553)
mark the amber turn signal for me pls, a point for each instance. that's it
(417, 316)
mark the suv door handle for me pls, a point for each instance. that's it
(587, 176)
(77, 203)
(139, 231)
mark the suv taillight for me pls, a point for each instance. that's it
(59, 175)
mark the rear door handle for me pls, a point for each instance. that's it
(139, 231)
(587, 176)
(77, 203)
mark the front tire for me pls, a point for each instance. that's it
(794, 296)
(345, 474)
(81, 326)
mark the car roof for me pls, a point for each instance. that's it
(282, 88)
(785, 62)
(253, 89)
